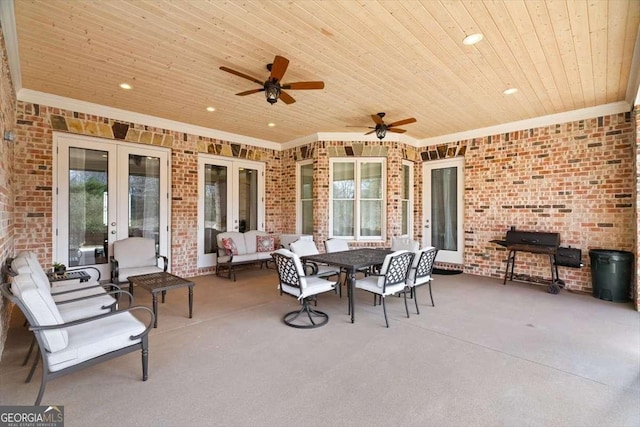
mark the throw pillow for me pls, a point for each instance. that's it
(265, 243)
(230, 246)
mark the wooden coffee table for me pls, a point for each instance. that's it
(161, 282)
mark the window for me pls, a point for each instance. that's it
(358, 205)
(407, 199)
(305, 197)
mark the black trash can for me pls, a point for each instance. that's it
(611, 274)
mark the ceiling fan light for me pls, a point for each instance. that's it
(381, 132)
(272, 93)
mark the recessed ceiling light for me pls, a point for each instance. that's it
(211, 109)
(125, 86)
(472, 39)
(510, 91)
(271, 124)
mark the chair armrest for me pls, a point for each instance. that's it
(115, 270)
(93, 269)
(325, 274)
(165, 261)
(312, 266)
(98, 317)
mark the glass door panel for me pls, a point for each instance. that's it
(88, 206)
(247, 183)
(215, 204)
(144, 197)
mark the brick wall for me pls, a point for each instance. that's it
(34, 180)
(7, 123)
(636, 200)
(574, 178)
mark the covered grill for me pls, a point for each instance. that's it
(540, 243)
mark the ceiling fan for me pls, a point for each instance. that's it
(273, 86)
(381, 127)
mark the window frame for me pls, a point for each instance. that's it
(299, 199)
(357, 162)
(409, 201)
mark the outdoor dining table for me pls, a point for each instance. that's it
(351, 261)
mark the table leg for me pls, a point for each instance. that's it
(163, 294)
(131, 287)
(190, 301)
(350, 285)
(155, 308)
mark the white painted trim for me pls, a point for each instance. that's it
(36, 97)
(71, 104)
(542, 121)
(8, 19)
(299, 192)
(348, 137)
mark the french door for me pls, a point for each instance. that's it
(443, 208)
(107, 191)
(230, 198)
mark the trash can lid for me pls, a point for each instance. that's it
(611, 253)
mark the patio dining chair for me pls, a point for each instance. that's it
(391, 280)
(336, 245)
(294, 281)
(421, 272)
(406, 243)
(305, 247)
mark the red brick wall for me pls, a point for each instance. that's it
(7, 123)
(574, 178)
(34, 180)
(636, 156)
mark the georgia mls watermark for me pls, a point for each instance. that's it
(31, 416)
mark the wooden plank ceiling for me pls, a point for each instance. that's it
(405, 58)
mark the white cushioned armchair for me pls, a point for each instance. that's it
(66, 346)
(133, 256)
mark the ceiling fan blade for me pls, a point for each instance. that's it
(249, 92)
(377, 119)
(286, 98)
(239, 74)
(370, 132)
(402, 122)
(278, 68)
(304, 85)
(396, 130)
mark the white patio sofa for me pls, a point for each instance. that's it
(247, 251)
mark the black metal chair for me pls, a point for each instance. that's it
(390, 281)
(294, 282)
(421, 272)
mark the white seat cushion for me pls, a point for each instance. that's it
(85, 308)
(125, 273)
(94, 339)
(371, 284)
